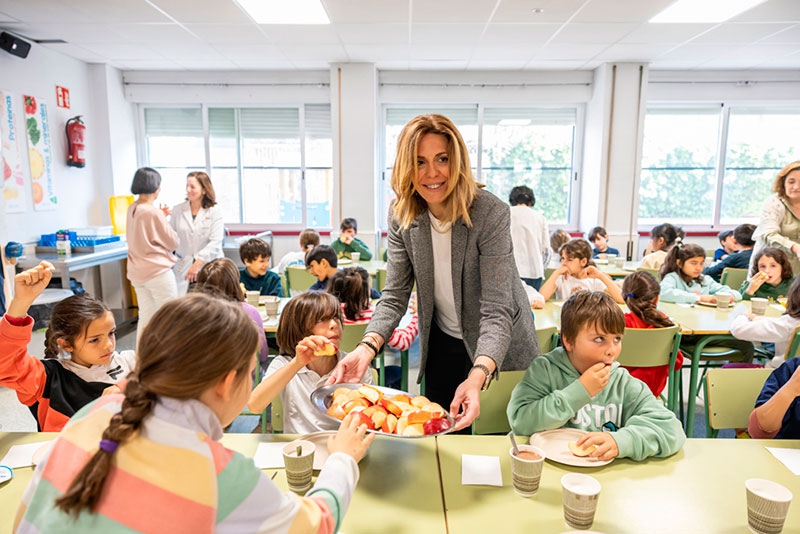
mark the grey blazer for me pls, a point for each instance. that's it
(494, 311)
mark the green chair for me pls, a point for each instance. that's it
(733, 278)
(794, 344)
(655, 272)
(380, 279)
(548, 338)
(276, 408)
(494, 401)
(653, 347)
(547, 273)
(298, 279)
(730, 396)
(351, 335)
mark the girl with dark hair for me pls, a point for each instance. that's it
(80, 362)
(682, 278)
(310, 326)
(662, 238)
(641, 292)
(770, 275)
(151, 460)
(351, 287)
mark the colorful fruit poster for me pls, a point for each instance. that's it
(14, 178)
(40, 154)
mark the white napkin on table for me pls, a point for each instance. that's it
(480, 470)
(788, 457)
(269, 456)
(22, 455)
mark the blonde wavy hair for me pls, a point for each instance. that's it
(461, 185)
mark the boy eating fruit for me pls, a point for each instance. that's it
(582, 386)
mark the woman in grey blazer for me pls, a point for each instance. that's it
(452, 238)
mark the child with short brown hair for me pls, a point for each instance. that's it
(580, 385)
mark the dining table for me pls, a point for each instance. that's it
(414, 485)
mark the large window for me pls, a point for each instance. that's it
(714, 165)
(268, 165)
(507, 147)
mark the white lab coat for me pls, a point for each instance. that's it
(200, 237)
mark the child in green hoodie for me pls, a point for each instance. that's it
(582, 386)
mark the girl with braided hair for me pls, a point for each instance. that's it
(641, 291)
(80, 361)
(151, 461)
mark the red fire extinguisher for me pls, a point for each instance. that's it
(75, 146)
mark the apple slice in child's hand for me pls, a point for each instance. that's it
(580, 451)
(329, 350)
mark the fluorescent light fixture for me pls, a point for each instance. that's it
(699, 11)
(285, 11)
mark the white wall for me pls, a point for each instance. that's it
(82, 193)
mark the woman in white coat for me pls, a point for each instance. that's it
(200, 229)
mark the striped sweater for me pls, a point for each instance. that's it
(175, 476)
(401, 338)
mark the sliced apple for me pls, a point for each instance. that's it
(414, 430)
(366, 420)
(358, 403)
(419, 417)
(402, 423)
(369, 393)
(389, 424)
(435, 425)
(378, 418)
(420, 400)
(335, 410)
(402, 397)
(390, 406)
(435, 408)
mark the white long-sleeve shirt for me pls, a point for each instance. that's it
(766, 329)
(531, 238)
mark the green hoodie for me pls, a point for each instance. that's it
(551, 396)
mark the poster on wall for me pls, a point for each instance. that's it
(14, 186)
(40, 154)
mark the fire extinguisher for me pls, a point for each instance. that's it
(75, 146)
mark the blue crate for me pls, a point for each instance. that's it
(49, 240)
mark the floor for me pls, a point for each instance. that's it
(14, 417)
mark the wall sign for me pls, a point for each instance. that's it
(62, 97)
(14, 178)
(40, 154)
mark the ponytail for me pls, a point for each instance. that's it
(87, 486)
(681, 252)
(640, 291)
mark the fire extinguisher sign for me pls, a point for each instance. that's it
(62, 97)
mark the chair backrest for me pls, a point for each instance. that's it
(794, 344)
(298, 279)
(655, 272)
(733, 278)
(118, 208)
(494, 401)
(276, 411)
(380, 279)
(650, 347)
(731, 395)
(548, 272)
(351, 335)
(548, 338)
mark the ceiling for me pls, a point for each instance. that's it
(407, 34)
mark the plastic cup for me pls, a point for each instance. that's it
(758, 305)
(580, 495)
(619, 262)
(611, 258)
(526, 472)
(723, 301)
(767, 505)
(271, 305)
(355, 256)
(251, 297)
(299, 468)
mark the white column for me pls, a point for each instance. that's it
(611, 161)
(354, 112)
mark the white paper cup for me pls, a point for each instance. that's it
(611, 258)
(299, 469)
(526, 473)
(767, 505)
(619, 262)
(251, 297)
(355, 256)
(271, 305)
(580, 495)
(758, 305)
(723, 301)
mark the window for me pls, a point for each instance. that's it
(711, 166)
(268, 165)
(507, 147)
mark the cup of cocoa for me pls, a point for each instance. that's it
(526, 469)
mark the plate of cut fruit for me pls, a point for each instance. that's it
(384, 410)
(559, 446)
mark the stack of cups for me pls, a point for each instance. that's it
(758, 305)
(299, 467)
(580, 500)
(526, 469)
(767, 505)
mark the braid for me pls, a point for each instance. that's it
(85, 490)
(649, 313)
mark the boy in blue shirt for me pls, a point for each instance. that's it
(323, 263)
(256, 276)
(743, 242)
(599, 238)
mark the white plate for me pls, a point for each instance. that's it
(344, 261)
(554, 443)
(714, 305)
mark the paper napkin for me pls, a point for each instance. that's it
(788, 457)
(22, 455)
(480, 470)
(269, 456)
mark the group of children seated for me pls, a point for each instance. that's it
(164, 411)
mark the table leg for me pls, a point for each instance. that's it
(404, 370)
